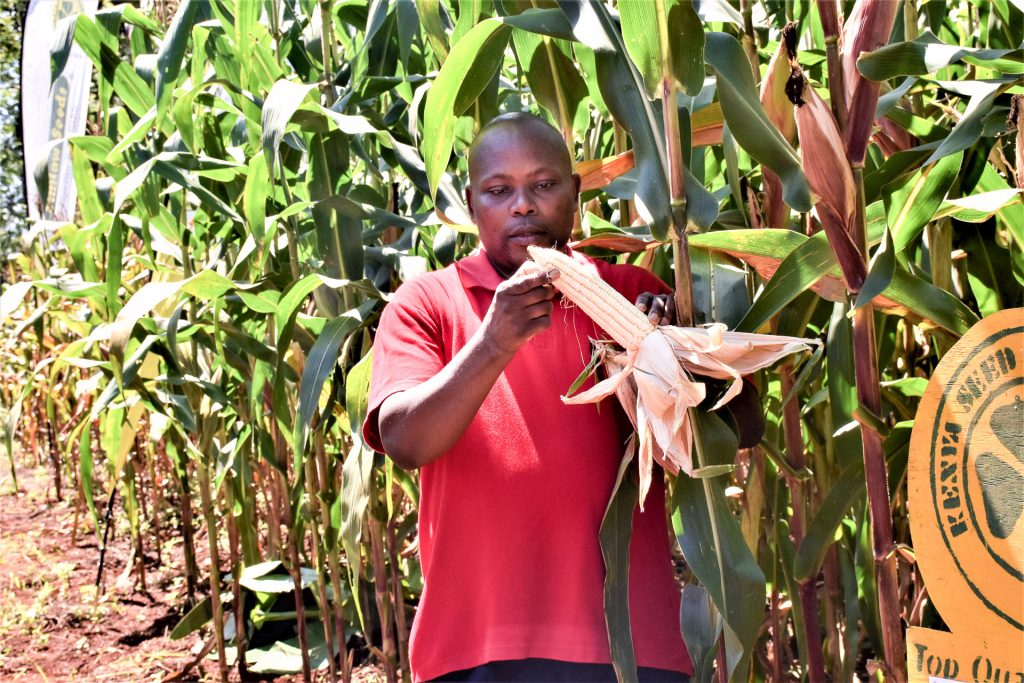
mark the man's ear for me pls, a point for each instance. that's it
(576, 187)
(469, 202)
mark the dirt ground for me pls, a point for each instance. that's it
(54, 623)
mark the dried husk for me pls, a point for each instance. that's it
(829, 175)
(821, 151)
(656, 385)
(774, 100)
(866, 29)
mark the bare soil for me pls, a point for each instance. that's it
(55, 625)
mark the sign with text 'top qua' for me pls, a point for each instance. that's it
(966, 481)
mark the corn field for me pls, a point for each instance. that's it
(191, 353)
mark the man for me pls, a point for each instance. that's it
(469, 364)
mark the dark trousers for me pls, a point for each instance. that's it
(554, 671)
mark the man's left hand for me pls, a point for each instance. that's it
(660, 308)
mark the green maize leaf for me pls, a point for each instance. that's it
(803, 262)
(356, 474)
(986, 268)
(587, 60)
(85, 186)
(13, 297)
(912, 204)
(741, 106)
(969, 129)
(361, 211)
(548, 21)
(713, 545)
(206, 284)
(701, 204)
(357, 392)
(1011, 216)
(927, 54)
(880, 271)
(246, 23)
(128, 13)
(254, 196)
(172, 51)
(701, 626)
(616, 532)
(625, 95)
(462, 78)
(447, 198)
(285, 657)
(95, 147)
(141, 128)
(263, 578)
(320, 365)
(282, 102)
(433, 18)
(553, 78)
(666, 41)
(169, 165)
(86, 473)
(128, 85)
(288, 305)
(470, 14)
(197, 617)
(115, 247)
(935, 307)
(846, 492)
(408, 26)
(732, 169)
(72, 287)
(719, 288)
(979, 208)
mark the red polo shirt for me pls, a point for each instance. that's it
(509, 517)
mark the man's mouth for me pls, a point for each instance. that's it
(530, 235)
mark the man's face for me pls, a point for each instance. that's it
(520, 193)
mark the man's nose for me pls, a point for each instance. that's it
(522, 204)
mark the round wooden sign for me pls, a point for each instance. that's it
(966, 482)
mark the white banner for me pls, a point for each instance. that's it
(52, 111)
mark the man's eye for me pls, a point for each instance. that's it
(497, 190)
(545, 185)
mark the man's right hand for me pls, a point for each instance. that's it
(420, 424)
(521, 308)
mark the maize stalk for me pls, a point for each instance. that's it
(1016, 119)
(661, 392)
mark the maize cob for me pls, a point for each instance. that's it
(612, 312)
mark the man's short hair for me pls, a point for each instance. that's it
(523, 121)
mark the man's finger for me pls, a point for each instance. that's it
(520, 284)
(657, 311)
(643, 302)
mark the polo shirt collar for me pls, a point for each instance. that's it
(476, 270)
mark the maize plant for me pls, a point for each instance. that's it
(191, 352)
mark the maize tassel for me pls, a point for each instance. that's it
(612, 312)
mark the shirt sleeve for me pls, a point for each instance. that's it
(407, 350)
